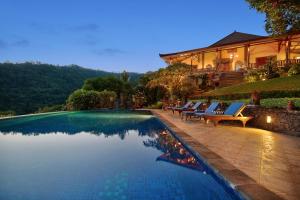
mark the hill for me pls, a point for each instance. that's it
(26, 87)
(276, 84)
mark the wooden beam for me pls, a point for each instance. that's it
(287, 50)
(248, 55)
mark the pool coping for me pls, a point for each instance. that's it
(247, 187)
(32, 114)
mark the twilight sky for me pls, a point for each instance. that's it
(114, 35)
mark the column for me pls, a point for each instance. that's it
(202, 60)
(287, 51)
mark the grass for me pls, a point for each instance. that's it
(283, 83)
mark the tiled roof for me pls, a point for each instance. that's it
(236, 37)
(233, 38)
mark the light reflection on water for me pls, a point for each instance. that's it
(98, 156)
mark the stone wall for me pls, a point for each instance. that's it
(283, 121)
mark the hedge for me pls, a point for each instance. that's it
(263, 95)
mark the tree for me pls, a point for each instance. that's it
(282, 16)
(121, 88)
(185, 88)
(175, 78)
(124, 76)
(90, 99)
(99, 84)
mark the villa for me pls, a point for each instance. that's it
(229, 57)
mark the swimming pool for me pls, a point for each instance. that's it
(99, 155)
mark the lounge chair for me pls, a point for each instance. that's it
(180, 109)
(232, 113)
(168, 105)
(209, 111)
(191, 111)
(194, 109)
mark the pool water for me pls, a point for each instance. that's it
(99, 155)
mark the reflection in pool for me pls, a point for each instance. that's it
(99, 155)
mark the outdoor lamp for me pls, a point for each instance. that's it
(269, 119)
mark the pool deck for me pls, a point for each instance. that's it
(261, 164)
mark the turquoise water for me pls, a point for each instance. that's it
(99, 155)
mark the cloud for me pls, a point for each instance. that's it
(108, 52)
(15, 43)
(90, 40)
(57, 28)
(44, 28)
(85, 27)
(3, 44)
(21, 43)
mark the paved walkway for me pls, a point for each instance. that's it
(271, 159)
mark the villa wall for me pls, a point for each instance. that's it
(187, 61)
(295, 47)
(264, 50)
(260, 50)
(282, 121)
(209, 58)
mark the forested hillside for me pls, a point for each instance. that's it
(26, 87)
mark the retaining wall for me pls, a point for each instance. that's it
(283, 121)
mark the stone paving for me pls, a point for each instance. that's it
(271, 159)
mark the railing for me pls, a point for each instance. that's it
(280, 63)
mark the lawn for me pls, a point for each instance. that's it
(268, 103)
(283, 84)
(271, 102)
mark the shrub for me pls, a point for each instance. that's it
(272, 75)
(155, 93)
(294, 70)
(106, 99)
(263, 95)
(186, 88)
(86, 100)
(252, 76)
(157, 105)
(271, 69)
(203, 79)
(256, 75)
(284, 70)
(7, 113)
(51, 108)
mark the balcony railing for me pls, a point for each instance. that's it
(280, 63)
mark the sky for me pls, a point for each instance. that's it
(117, 35)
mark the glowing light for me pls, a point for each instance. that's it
(269, 119)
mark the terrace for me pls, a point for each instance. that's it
(270, 159)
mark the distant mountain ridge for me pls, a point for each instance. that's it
(26, 87)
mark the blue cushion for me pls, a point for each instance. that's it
(187, 105)
(234, 108)
(213, 106)
(196, 105)
(210, 110)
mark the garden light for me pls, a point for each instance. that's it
(269, 119)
